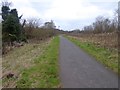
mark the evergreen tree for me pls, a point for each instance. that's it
(11, 27)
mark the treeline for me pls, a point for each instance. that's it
(102, 32)
(102, 25)
(17, 31)
(34, 30)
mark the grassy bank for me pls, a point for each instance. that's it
(19, 59)
(44, 73)
(105, 56)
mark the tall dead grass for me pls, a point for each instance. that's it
(106, 40)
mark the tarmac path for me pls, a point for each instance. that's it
(80, 70)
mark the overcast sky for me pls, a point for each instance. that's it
(68, 14)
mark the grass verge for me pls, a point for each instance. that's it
(19, 59)
(44, 74)
(105, 56)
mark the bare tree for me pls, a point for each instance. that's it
(6, 3)
(33, 23)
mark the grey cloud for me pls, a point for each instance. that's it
(41, 6)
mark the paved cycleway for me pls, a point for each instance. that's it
(80, 70)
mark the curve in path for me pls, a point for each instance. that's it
(79, 70)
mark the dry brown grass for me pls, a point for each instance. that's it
(19, 59)
(107, 40)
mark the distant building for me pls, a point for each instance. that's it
(49, 25)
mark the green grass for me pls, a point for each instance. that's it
(103, 55)
(44, 74)
(19, 59)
